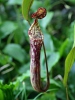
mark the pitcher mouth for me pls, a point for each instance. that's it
(35, 31)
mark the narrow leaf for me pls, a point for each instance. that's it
(68, 64)
(74, 35)
(25, 8)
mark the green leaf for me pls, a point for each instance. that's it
(13, 2)
(15, 51)
(63, 47)
(52, 91)
(48, 40)
(7, 91)
(20, 79)
(1, 95)
(53, 59)
(54, 83)
(71, 1)
(45, 21)
(72, 80)
(24, 68)
(7, 28)
(46, 96)
(74, 36)
(4, 59)
(68, 64)
(25, 8)
(36, 4)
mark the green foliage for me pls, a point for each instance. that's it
(6, 30)
(58, 28)
(46, 96)
(26, 7)
(6, 92)
(15, 51)
(1, 95)
(14, 2)
(68, 64)
(71, 1)
(74, 36)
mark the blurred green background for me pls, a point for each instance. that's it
(57, 28)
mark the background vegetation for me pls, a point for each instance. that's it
(57, 28)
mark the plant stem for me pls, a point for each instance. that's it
(67, 93)
(46, 61)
